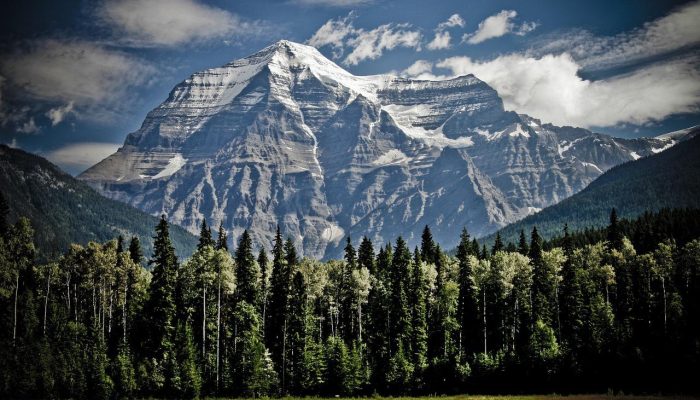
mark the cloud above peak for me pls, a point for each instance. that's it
(498, 25)
(443, 37)
(149, 23)
(361, 44)
(550, 88)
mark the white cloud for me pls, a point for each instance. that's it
(550, 88)
(334, 33)
(74, 71)
(454, 21)
(169, 22)
(28, 127)
(440, 41)
(442, 37)
(370, 45)
(498, 25)
(77, 157)
(675, 31)
(58, 114)
(363, 45)
(332, 3)
(419, 70)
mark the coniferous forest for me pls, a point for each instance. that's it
(107, 321)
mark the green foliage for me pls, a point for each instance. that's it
(570, 317)
(64, 210)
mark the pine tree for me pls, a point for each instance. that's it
(283, 262)
(497, 245)
(427, 246)
(614, 232)
(523, 248)
(264, 285)
(159, 311)
(135, 251)
(252, 373)
(247, 272)
(365, 255)
(297, 333)
(419, 330)
(222, 240)
(205, 238)
(398, 309)
(467, 306)
(544, 281)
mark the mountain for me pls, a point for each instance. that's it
(64, 210)
(665, 180)
(286, 137)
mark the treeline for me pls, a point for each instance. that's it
(388, 320)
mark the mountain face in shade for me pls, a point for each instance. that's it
(64, 210)
(286, 137)
(667, 180)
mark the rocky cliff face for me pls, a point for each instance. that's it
(286, 137)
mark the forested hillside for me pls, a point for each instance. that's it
(595, 317)
(665, 180)
(64, 210)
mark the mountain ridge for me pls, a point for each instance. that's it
(286, 137)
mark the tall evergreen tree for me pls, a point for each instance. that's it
(614, 232)
(135, 251)
(297, 333)
(419, 331)
(467, 306)
(427, 246)
(222, 240)
(544, 281)
(365, 255)
(205, 238)
(264, 285)
(159, 311)
(399, 312)
(497, 245)
(247, 272)
(523, 248)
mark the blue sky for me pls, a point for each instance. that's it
(77, 76)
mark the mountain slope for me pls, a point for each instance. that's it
(670, 179)
(64, 210)
(286, 137)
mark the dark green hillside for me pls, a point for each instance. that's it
(670, 179)
(64, 210)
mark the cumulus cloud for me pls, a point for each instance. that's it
(28, 127)
(551, 89)
(77, 157)
(676, 31)
(170, 22)
(370, 45)
(498, 25)
(58, 114)
(442, 37)
(363, 44)
(75, 72)
(332, 3)
(421, 69)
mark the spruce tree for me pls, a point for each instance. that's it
(467, 306)
(427, 246)
(159, 311)
(544, 283)
(399, 313)
(135, 251)
(247, 272)
(497, 244)
(523, 248)
(419, 331)
(222, 240)
(614, 233)
(264, 285)
(297, 333)
(365, 255)
(205, 238)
